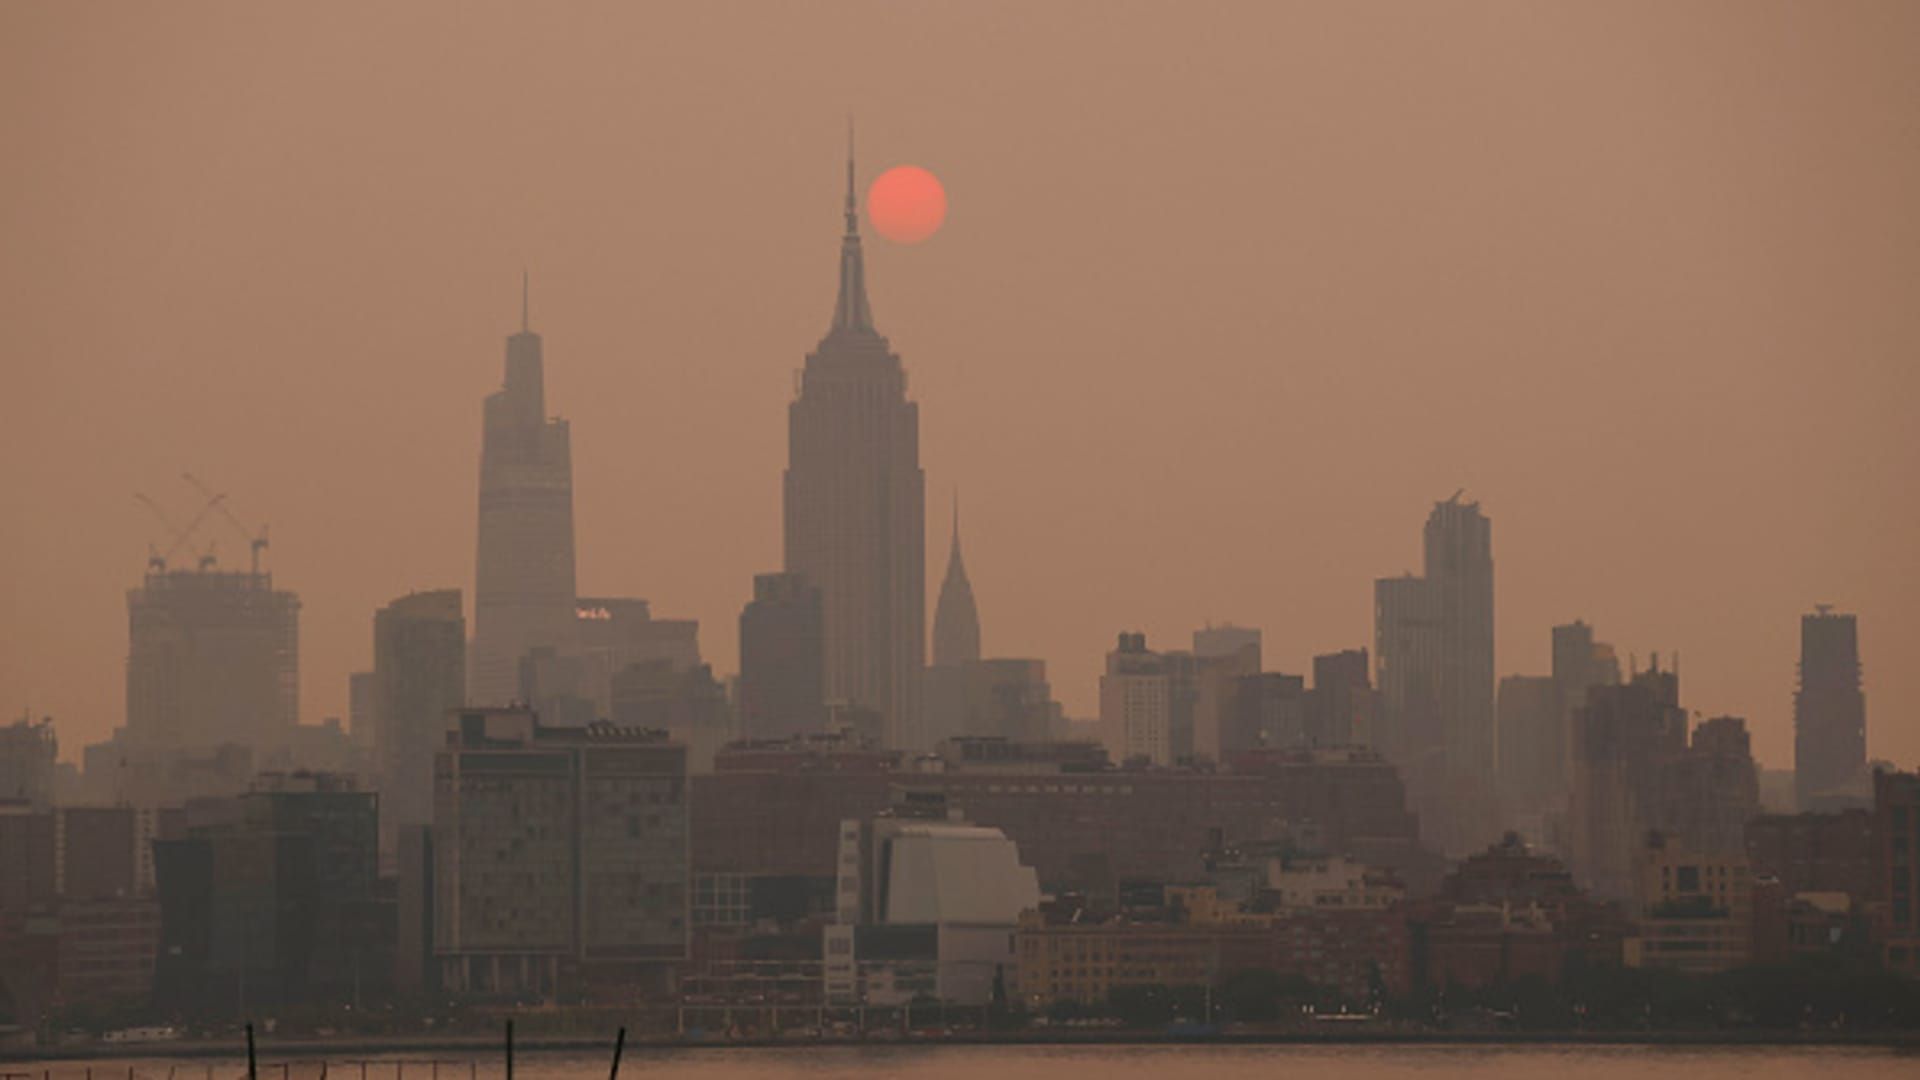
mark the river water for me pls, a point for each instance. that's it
(1346, 1062)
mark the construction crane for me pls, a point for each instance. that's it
(181, 536)
(256, 542)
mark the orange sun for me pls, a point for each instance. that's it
(906, 204)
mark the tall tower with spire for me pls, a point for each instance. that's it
(956, 621)
(523, 580)
(855, 510)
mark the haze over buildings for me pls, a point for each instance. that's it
(1209, 322)
(1203, 344)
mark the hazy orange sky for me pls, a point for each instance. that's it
(1228, 295)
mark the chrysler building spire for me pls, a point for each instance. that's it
(956, 621)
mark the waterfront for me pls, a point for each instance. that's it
(1338, 1062)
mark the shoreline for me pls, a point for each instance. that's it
(484, 1047)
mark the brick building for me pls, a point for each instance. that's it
(1896, 834)
(775, 809)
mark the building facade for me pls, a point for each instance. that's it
(1830, 715)
(1136, 704)
(1694, 912)
(855, 506)
(1624, 736)
(28, 753)
(1530, 747)
(1896, 867)
(213, 658)
(559, 857)
(523, 596)
(269, 898)
(782, 688)
(419, 676)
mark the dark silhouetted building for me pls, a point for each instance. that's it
(559, 857)
(27, 851)
(1820, 853)
(956, 620)
(1530, 747)
(782, 659)
(269, 898)
(1406, 657)
(948, 683)
(1270, 710)
(419, 675)
(28, 752)
(855, 506)
(360, 722)
(1623, 738)
(1896, 870)
(1711, 790)
(1829, 715)
(523, 596)
(1342, 704)
(1508, 913)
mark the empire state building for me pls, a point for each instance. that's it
(855, 506)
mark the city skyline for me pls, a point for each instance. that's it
(1221, 545)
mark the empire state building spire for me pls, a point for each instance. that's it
(850, 311)
(855, 507)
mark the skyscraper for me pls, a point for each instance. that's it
(1459, 564)
(1207, 704)
(956, 621)
(855, 509)
(1434, 641)
(949, 686)
(1624, 737)
(28, 752)
(523, 594)
(1341, 706)
(1530, 751)
(1136, 713)
(1829, 715)
(213, 658)
(781, 661)
(1406, 649)
(1579, 664)
(419, 674)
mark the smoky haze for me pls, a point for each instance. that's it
(1228, 295)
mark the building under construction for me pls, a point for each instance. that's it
(213, 658)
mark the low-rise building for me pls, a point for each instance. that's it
(1508, 913)
(1331, 883)
(1694, 912)
(1198, 938)
(926, 906)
